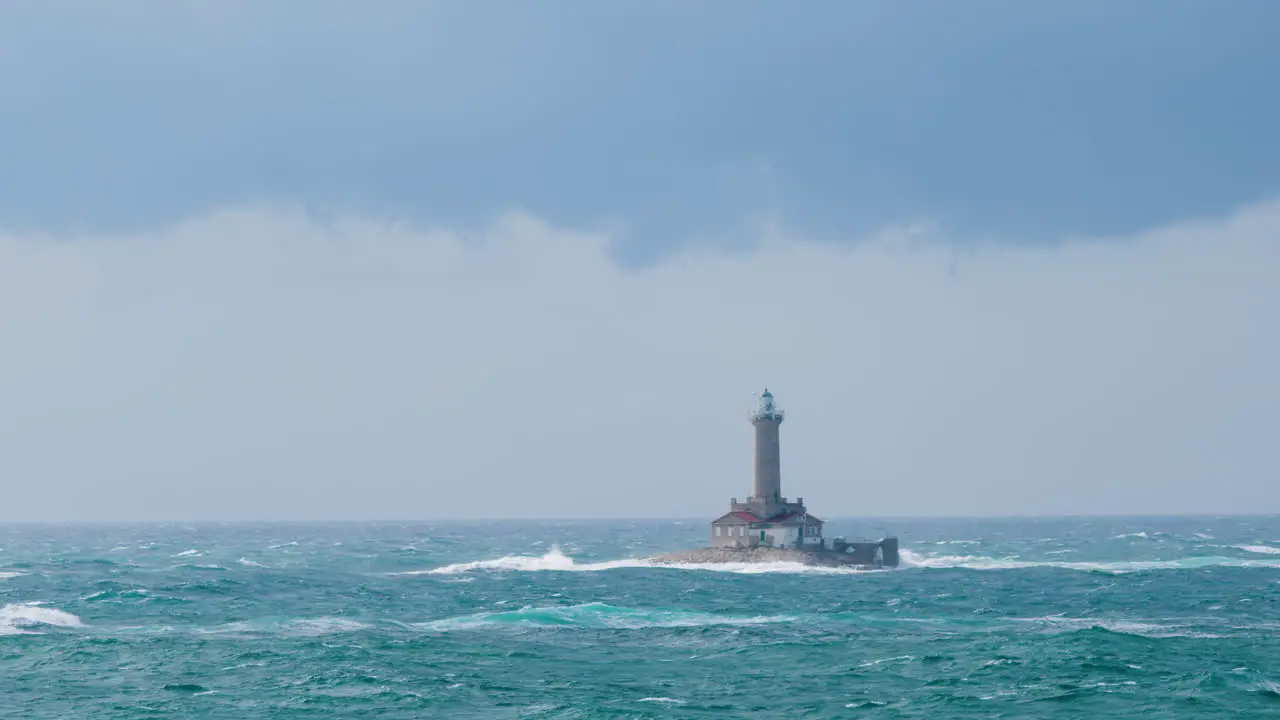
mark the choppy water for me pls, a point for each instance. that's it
(1150, 617)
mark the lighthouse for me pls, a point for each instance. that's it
(767, 518)
(769, 528)
(767, 488)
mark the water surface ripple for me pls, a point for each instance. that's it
(1110, 617)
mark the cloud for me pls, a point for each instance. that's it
(260, 363)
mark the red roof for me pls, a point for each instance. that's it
(749, 517)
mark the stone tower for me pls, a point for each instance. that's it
(767, 488)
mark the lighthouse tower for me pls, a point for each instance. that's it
(767, 489)
(767, 518)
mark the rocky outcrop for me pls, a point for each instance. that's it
(758, 555)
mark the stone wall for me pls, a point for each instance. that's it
(870, 554)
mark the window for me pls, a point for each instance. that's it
(717, 531)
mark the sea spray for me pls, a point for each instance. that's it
(20, 618)
(555, 560)
(979, 562)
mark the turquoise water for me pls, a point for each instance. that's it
(1069, 618)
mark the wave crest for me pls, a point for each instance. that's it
(982, 562)
(16, 619)
(556, 560)
(1259, 549)
(298, 627)
(1057, 623)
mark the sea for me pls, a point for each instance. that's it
(1110, 617)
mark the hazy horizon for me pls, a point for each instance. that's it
(441, 262)
(695, 519)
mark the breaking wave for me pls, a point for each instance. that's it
(17, 619)
(981, 562)
(298, 627)
(556, 560)
(1259, 549)
(552, 560)
(7, 574)
(593, 616)
(1056, 623)
(194, 566)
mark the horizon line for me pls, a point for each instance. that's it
(672, 518)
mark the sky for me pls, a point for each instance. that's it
(328, 260)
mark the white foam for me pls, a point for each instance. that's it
(555, 560)
(896, 658)
(249, 563)
(15, 619)
(980, 562)
(7, 574)
(983, 563)
(1128, 627)
(188, 553)
(1259, 549)
(911, 559)
(1269, 687)
(289, 544)
(663, 700)
(325, 626)
(303, 627)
